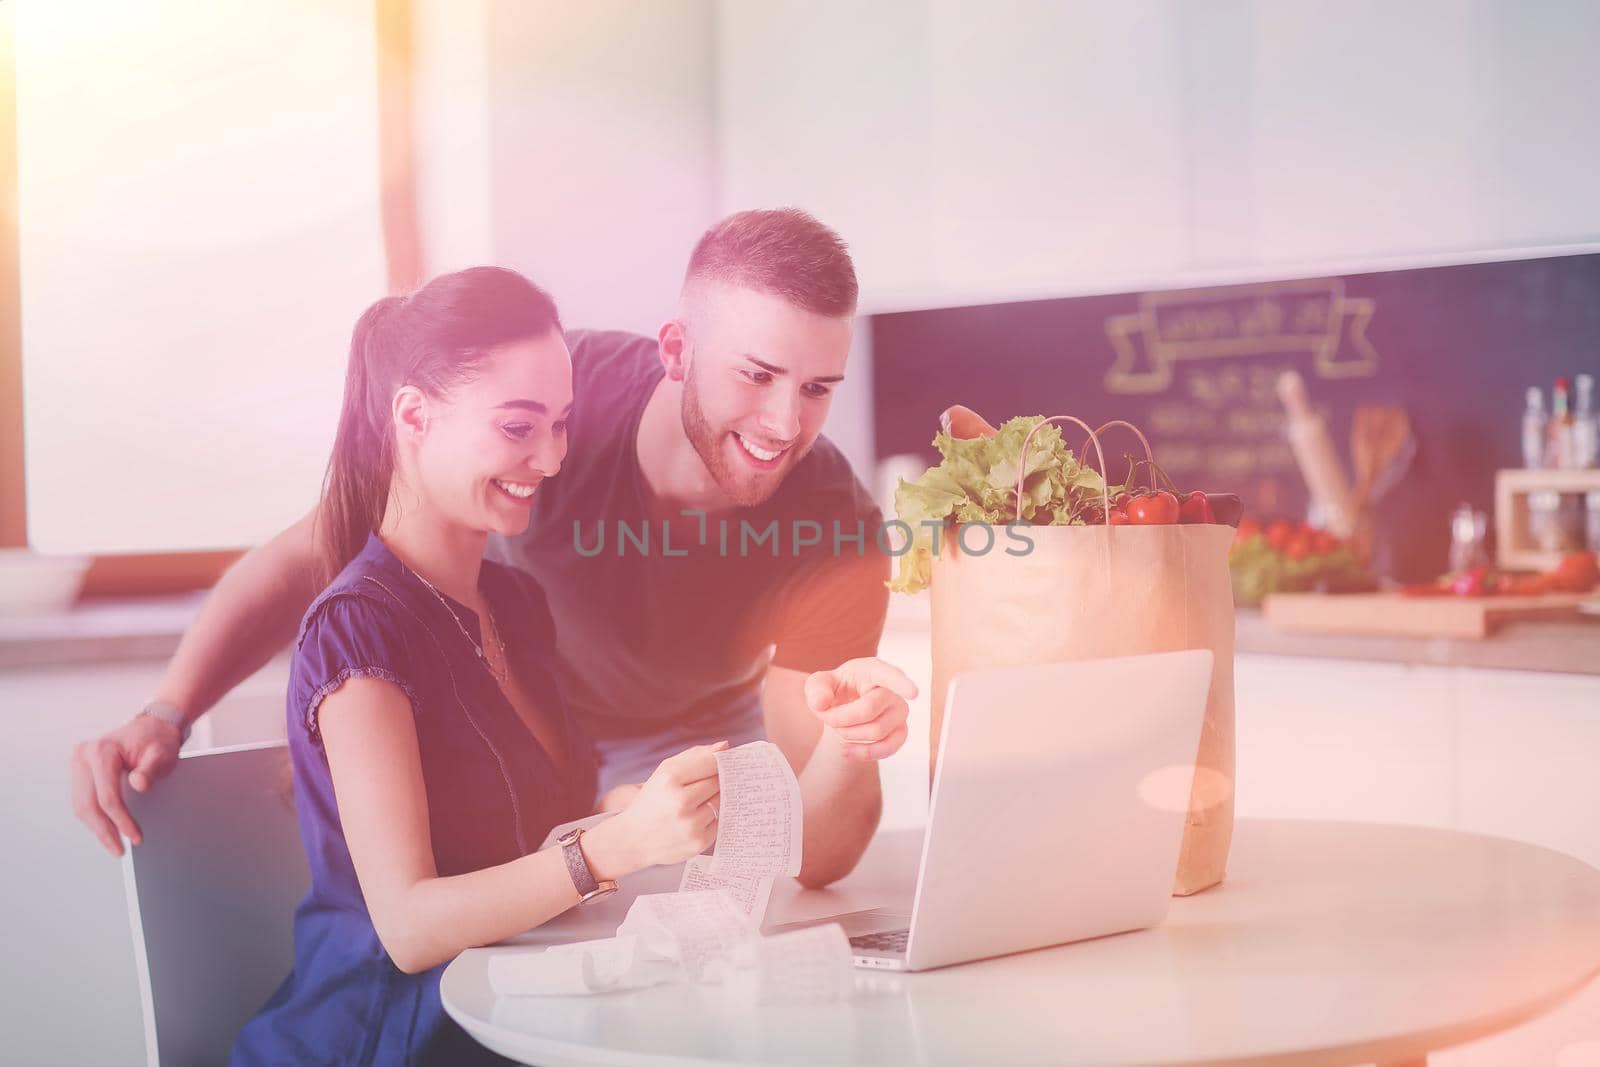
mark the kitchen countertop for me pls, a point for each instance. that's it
(127, 631)
(109, 631)
(1565, 647)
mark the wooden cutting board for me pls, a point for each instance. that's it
(1394, 615)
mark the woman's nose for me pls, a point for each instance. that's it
(552, 450)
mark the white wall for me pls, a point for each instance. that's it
(198, 203)
(600, 140)
(451, 89)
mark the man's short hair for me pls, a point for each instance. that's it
(785, 252)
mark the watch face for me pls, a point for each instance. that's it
(605, 890)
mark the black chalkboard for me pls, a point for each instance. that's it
(1455, 346)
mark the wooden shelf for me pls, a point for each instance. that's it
(1515, 545)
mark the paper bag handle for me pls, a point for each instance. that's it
(1149, 456)
(1094, 438)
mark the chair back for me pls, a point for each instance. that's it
(211, 898)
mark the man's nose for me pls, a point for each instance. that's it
(780, 415)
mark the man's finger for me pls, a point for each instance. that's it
(108, 766)
(878, 729)
(865, 708)
(86, 808)
(880, 749)
(871, 671)
(820, 691)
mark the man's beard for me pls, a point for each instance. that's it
(746, 488)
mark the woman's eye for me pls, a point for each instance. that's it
(760, 377)
(516, 430)
(812, 389)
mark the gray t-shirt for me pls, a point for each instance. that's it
(658, 650)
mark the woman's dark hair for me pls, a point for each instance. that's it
(433, 339)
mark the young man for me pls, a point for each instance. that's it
(710, 560)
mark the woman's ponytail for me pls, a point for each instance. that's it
(356, 487)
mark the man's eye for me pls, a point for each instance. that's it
(560, 427)
(812, 389)
(516, 430)
(760, 377)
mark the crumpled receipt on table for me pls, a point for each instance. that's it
(581, 967)
(709, 931)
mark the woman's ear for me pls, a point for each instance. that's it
(674, 349)
(410, 411)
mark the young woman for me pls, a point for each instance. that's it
(431, 749)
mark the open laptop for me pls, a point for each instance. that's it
(1057, 810)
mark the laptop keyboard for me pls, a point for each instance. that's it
(888, 941)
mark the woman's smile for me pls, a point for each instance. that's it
(516, 492)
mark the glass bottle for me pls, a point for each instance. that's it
(1534, 424)
(1558, 437)
(1585, 425)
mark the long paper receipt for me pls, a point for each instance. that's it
(760, 822)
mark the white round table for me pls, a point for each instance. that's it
(1329, 944)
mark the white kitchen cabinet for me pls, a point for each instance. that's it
(1529, 758)
(1527, 749)
(905, 774)
(1341, 739)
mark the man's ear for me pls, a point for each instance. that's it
(410, 412)
(674, 349)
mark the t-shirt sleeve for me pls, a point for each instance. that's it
(348, 636)
(833, 612)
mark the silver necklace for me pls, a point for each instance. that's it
(500, 674)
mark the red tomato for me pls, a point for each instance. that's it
(1153, 509)
(1299, 546)
(1122, 499)
(1196, 509)
(1323, 542)
(1279, 531)
(1248, 528)
(1118, 517)
(1578, 572)
(1476, 582)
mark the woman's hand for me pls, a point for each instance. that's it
(672, 817)
(619, 796)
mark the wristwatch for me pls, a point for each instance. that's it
(578, 867)
(160, 709)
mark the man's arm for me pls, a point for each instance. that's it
(250, 615)
(833, 726)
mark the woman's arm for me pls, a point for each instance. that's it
(424, 920)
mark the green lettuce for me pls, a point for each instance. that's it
(976, 481)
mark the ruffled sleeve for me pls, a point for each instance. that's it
(346, 636)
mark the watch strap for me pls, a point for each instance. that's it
(577, 866)
(583, 879)
(169, 714)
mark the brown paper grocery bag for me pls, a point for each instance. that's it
(1089, 592)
